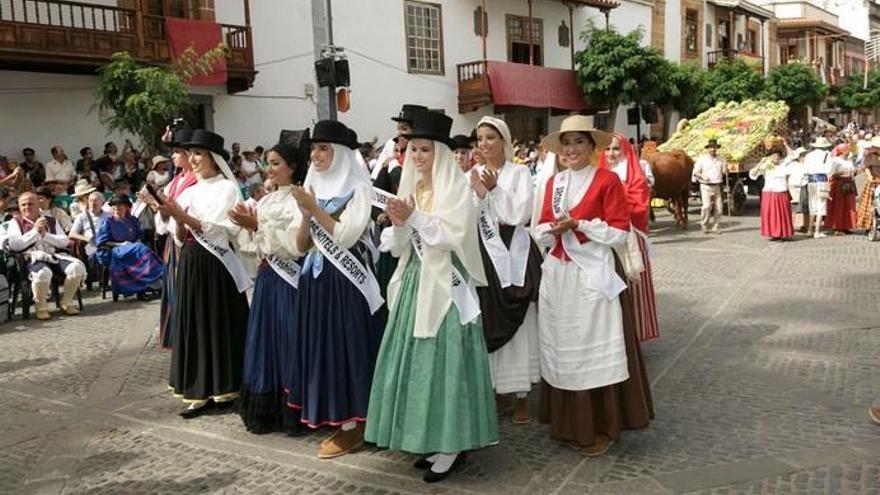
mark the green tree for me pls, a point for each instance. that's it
(140, 100)
(682, 89)
(796, 84)
(615, 69)
(855, 95)
(730, 81)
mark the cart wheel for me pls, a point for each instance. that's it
(737, 198)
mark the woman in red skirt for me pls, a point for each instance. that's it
(775, 200)
(841, 216)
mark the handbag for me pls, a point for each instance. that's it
(631, 256)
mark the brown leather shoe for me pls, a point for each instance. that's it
(42, 314)
(874, 413)
(70, 310)
(342, 442)
(521, 412)
(599, 448)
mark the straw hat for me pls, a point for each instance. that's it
(821, 142)
(157, 160)
(576, 123)
(82, 187)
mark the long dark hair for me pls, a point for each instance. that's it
(295, 159)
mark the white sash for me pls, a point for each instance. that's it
(510, 266)
(380, 198)
(464, 296)
(594, 260)
(286, 269)
(229, 259)
(348, 265)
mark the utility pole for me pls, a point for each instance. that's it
(322, 39)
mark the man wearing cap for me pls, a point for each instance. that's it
(40, 238)
(709, 172)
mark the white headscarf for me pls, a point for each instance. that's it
(224, 168)
(452, 205)
(501, 127)
(341, 178)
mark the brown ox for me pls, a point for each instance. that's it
(672, 181)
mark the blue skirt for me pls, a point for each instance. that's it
(134, 268)
(334, 349)
(166, 308)
(267, 349)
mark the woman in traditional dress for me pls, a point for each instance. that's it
(503, 195)
(432, 391)
(842, 203)
(336, 334)
(594, 379)
(871, 164)
(620, 157)
(134, 268)
(776, 222)
(269, 234)
(165, 226)
(210, 307)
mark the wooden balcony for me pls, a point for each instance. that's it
(751, 59)
(473, 86)
(77, 38)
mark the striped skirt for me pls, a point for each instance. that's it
(645, 298)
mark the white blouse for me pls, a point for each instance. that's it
(209, 200)
(278, 219)
(775, 176)
(510, 203)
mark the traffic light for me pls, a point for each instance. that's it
(330, 72)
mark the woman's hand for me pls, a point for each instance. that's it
(563, 226)
(305, 200)
(244, 217)
(489, 178)
(399, 210)
(477, 183)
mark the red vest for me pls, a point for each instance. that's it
(605, 199)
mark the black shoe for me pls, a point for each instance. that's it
(432, 477)
(224, 407)
(423, 463)
(190, 413)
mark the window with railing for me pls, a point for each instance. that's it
(424, 37)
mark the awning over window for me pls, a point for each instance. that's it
(535, 87)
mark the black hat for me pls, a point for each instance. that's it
(298, 139)
(119, 199)
(432, 125)
(179, 136)
(296, 146)
(353, 139)
(461, 141)
(332, 131)
(207, 140)
(408, 113)
(713, 143)
(45, 191)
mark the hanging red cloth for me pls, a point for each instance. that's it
(202, 36)
(638, 194)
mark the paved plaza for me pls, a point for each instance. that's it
(767, 362)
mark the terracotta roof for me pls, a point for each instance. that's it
(599, 4)
(804, 23)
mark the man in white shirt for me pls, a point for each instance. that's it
(819, 166)
(59, 168)
(87, 223)
(709, 172)
(250, 168)
(39, 238)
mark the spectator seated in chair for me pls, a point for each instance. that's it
(134, 268)
(85, 227)
(40, 238)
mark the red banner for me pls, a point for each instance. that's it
(202, 36)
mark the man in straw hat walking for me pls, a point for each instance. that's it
(709, 172)
(818, 165)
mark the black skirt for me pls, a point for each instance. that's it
(210, 318)
(504, 309)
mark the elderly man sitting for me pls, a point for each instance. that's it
(134, 268)
(40, 238)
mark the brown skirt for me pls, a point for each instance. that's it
(504, 309)
(578, 416)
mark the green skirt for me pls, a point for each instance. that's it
(431, 395)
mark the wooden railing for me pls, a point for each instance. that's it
(756, 61)
(74, 33)
(473, 86)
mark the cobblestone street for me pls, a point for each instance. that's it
(766, 365)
